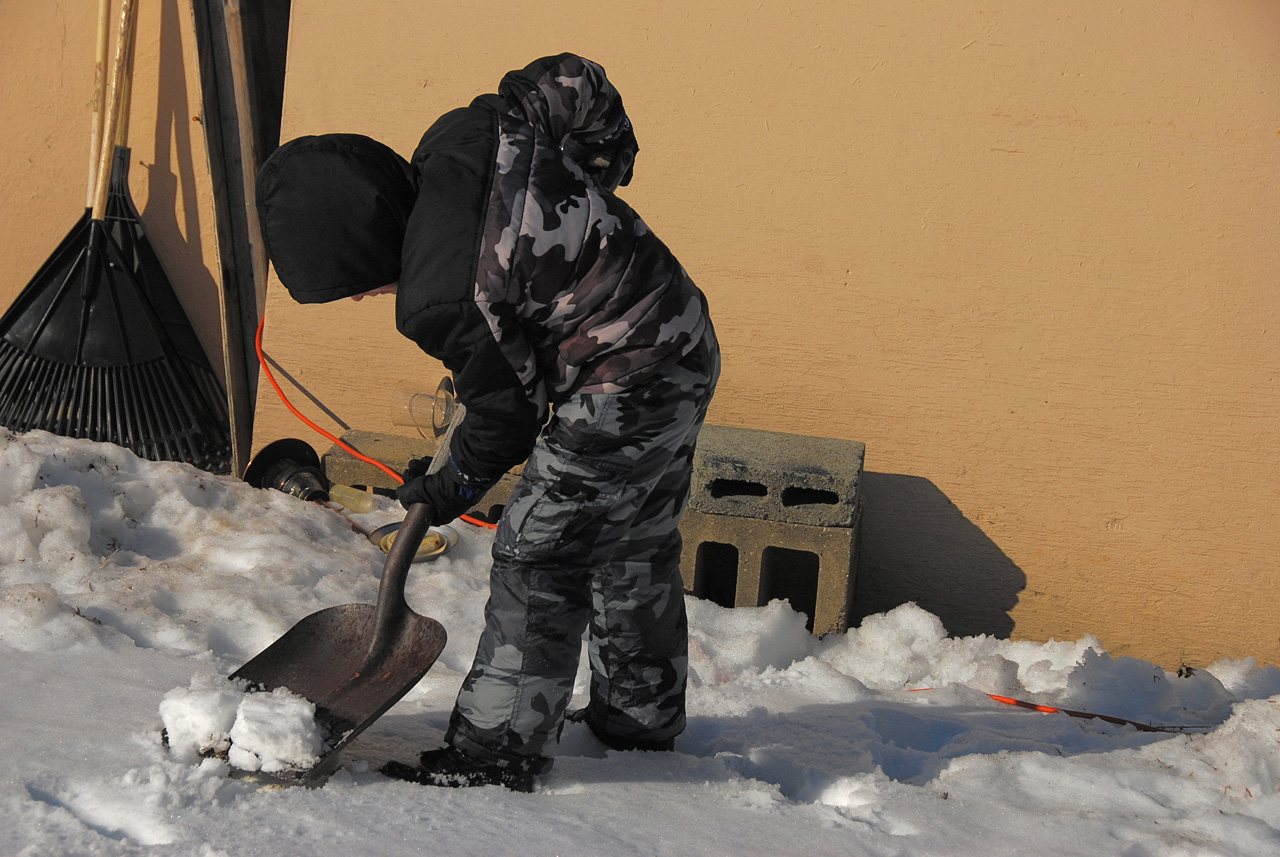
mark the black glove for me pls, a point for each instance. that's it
(448, 491)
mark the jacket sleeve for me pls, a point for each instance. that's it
(436, 305)
(565, 96)
(502, 423)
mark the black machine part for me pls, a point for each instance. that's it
(289, 465)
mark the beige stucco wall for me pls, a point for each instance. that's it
(46, 93)
(1025, 251)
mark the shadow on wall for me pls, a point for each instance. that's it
(915, 545)
(178, 243)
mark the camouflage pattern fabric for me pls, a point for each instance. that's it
(578, 292)
(590, 537)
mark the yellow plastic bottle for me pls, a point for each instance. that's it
(352, 498)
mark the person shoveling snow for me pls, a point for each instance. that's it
(573, 334)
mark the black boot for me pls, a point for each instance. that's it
(452, 768)
(617, 742)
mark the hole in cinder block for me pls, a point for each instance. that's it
(796, 496)
(715, 573)
(793, 575)
(737, 488)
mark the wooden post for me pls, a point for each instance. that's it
(229, 125)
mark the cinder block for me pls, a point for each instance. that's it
(396, 451)
(774, 515)
(786, 478)
(748, 562)
(392, 450)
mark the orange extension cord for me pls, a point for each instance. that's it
(1049, 709)
(262, 361)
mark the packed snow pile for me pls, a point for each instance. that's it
(130, 590)
(254, 731)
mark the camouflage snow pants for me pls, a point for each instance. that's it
(589, 538)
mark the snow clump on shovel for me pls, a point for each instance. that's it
(253, 731)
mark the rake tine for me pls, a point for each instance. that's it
(172, 389)
(9, 360)
(97, 421)
(125, 417)
(182, 398)
(64, 408)
(18, 383)
(146, 435)
(75, 416)
(156, 431)
(120, 419)
(36, 401)
(29, 414)
(58, 407)
(164, 414)
(81, 402)
(90, 419)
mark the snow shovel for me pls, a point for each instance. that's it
(354, 661)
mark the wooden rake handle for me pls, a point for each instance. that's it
(124, 42)
(99, 94)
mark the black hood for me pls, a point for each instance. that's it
(333, 210)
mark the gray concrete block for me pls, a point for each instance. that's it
(786, 478)
(392, 450)
(747, 562)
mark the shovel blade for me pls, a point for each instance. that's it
(326, 658)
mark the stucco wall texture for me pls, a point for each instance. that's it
(1025, 252)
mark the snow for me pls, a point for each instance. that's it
(272, 732)
(130, 589)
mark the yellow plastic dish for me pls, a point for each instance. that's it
(434, 543)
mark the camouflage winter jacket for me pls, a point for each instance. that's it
(523, 276)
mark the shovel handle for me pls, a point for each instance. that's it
(391, 607)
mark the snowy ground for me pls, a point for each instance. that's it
(122, 579)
